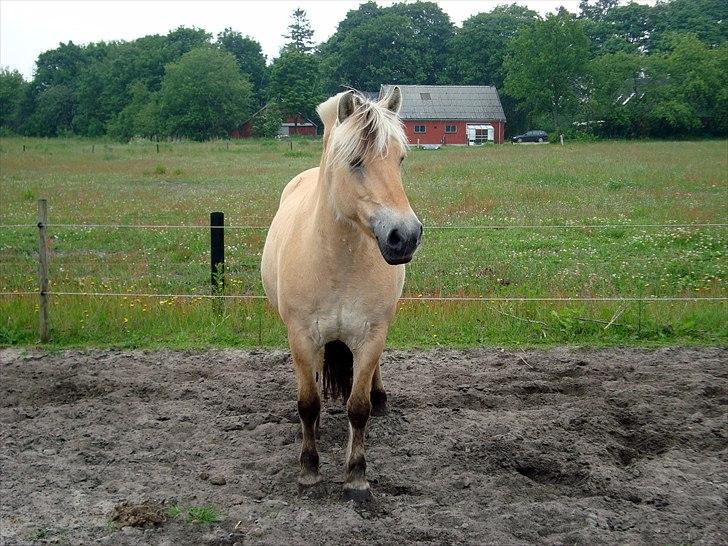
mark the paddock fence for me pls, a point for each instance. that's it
(217, 229)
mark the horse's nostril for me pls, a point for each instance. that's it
(394, 238)
(422, 229)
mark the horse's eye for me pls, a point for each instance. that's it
(357, 163)
(401, 160)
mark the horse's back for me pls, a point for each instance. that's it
(293, 208)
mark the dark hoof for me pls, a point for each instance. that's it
(357, 494)
(379, 403)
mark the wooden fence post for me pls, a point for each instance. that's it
(43, 267)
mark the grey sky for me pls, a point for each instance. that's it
(29, 27)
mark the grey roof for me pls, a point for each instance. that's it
(461, 102)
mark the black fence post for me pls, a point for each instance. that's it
(43, 267)
(217, 252)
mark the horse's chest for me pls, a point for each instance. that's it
(347, 323)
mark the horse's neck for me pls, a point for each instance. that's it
(335, 237)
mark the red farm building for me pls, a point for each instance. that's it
(451, 114)
(291, 125)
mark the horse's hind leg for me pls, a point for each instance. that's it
(309, 407)
(359, 408)
(378, 396)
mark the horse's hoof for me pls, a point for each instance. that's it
(308, 480)
(313, 490)
(379, 403)
(357, 494)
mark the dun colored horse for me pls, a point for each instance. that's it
(333, 268)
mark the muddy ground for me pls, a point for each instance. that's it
(481, 446)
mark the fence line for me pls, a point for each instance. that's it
(403, 298)
(217, 264)
(474, 227)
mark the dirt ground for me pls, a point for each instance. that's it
(565, 446)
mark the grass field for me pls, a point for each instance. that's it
(616, 183)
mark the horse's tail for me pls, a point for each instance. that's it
(338, 373)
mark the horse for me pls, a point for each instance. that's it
(333, 268)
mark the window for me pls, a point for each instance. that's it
(425, 96)
(419, 129)
(451, 128)
(481, 136)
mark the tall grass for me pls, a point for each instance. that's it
(618, 183)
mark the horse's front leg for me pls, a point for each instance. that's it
(309, 406)
(359, 406)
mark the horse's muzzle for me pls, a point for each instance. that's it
(398, 237)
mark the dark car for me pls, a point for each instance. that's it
(532, 136)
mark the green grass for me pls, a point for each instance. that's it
(195, 514)
(580, 184)
(174, 511)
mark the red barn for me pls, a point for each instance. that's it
(291, 125)
(451, 114)
(297, 125)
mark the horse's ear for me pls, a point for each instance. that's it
(394, 100)
(347, 105)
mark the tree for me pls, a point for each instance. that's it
(403, 43)
(300, 34)
(692, 90)
(634, 24)
(249, 56)
(267, 123)
(95, 107)
(59, 66)
(598, 10)
(546, 66)
(615, 88)
(141, 117)
(704, 18)
(54, 110)
(479, 47)
(383, 49)
(204, 95)
(12, 92)
(433, 30)
(295, 83)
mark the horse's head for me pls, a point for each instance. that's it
(364, 146)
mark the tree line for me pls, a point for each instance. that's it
(615, 70)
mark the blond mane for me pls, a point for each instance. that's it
(366, 134)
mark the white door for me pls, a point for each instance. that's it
(480, 134)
